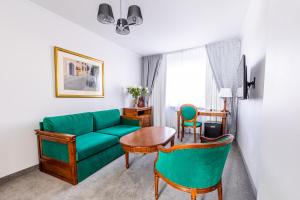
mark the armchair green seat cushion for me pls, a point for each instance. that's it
(119, 130)
(191, 124)
(93, 143)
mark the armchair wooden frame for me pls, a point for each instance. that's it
(194, 120)
(193, 191)
(54, 167)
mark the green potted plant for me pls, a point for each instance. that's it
(136, 92)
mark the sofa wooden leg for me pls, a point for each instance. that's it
(156, 180)
(220, 191)
(193, 196)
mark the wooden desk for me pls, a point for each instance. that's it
(207, 113)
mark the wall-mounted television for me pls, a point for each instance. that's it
(243, 84)
(242, 89)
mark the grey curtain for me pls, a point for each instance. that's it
(150, 68)
(224, 60)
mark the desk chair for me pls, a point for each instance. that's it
(193, 168)
(189, 114)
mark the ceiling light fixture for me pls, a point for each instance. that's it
(134, 17)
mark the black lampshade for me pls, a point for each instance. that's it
(122, 27)
(134, 16)
(105, 14)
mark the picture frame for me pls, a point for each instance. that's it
(78, 75)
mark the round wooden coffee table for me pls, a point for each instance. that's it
(146, 140)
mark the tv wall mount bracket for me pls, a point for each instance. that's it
(251, 83)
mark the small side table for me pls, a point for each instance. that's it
(143, 114)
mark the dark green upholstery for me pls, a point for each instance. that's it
(198, 124)
(188, 112)
(193, 167)
(106, 118)
(93, 143)
(55, 150)
(92, 164)
(130, 122)
(119, 130)
(41, 126)
(76, 124)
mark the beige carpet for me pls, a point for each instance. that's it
(114, 182)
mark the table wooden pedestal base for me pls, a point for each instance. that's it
(146, 140)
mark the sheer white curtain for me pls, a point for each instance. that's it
(189, 80)
(158, 97)
(212, 100)
(186, 77)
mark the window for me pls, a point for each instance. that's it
(189, 80)
(186, 78)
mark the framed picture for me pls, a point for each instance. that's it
(77, 75)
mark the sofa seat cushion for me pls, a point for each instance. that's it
(92, 143)
(119, 130)
(76, 124)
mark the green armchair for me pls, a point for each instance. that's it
(193, 168)
(189, 115)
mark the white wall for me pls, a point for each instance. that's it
(28, 34)
(280, 160)
(250, 111)
(269, 133)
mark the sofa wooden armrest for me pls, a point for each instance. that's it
(59, 137)
(63, 170)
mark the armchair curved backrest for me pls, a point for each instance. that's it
(196, 166)
(188, 112)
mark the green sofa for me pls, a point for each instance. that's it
(72, 147)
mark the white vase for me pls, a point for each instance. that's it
(135, 102)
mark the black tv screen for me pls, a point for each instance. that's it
(242, 90)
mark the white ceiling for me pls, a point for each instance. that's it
(168, 25)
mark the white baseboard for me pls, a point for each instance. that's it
(248, 172)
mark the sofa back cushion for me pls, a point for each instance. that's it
(106, 118)
(76, 124)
